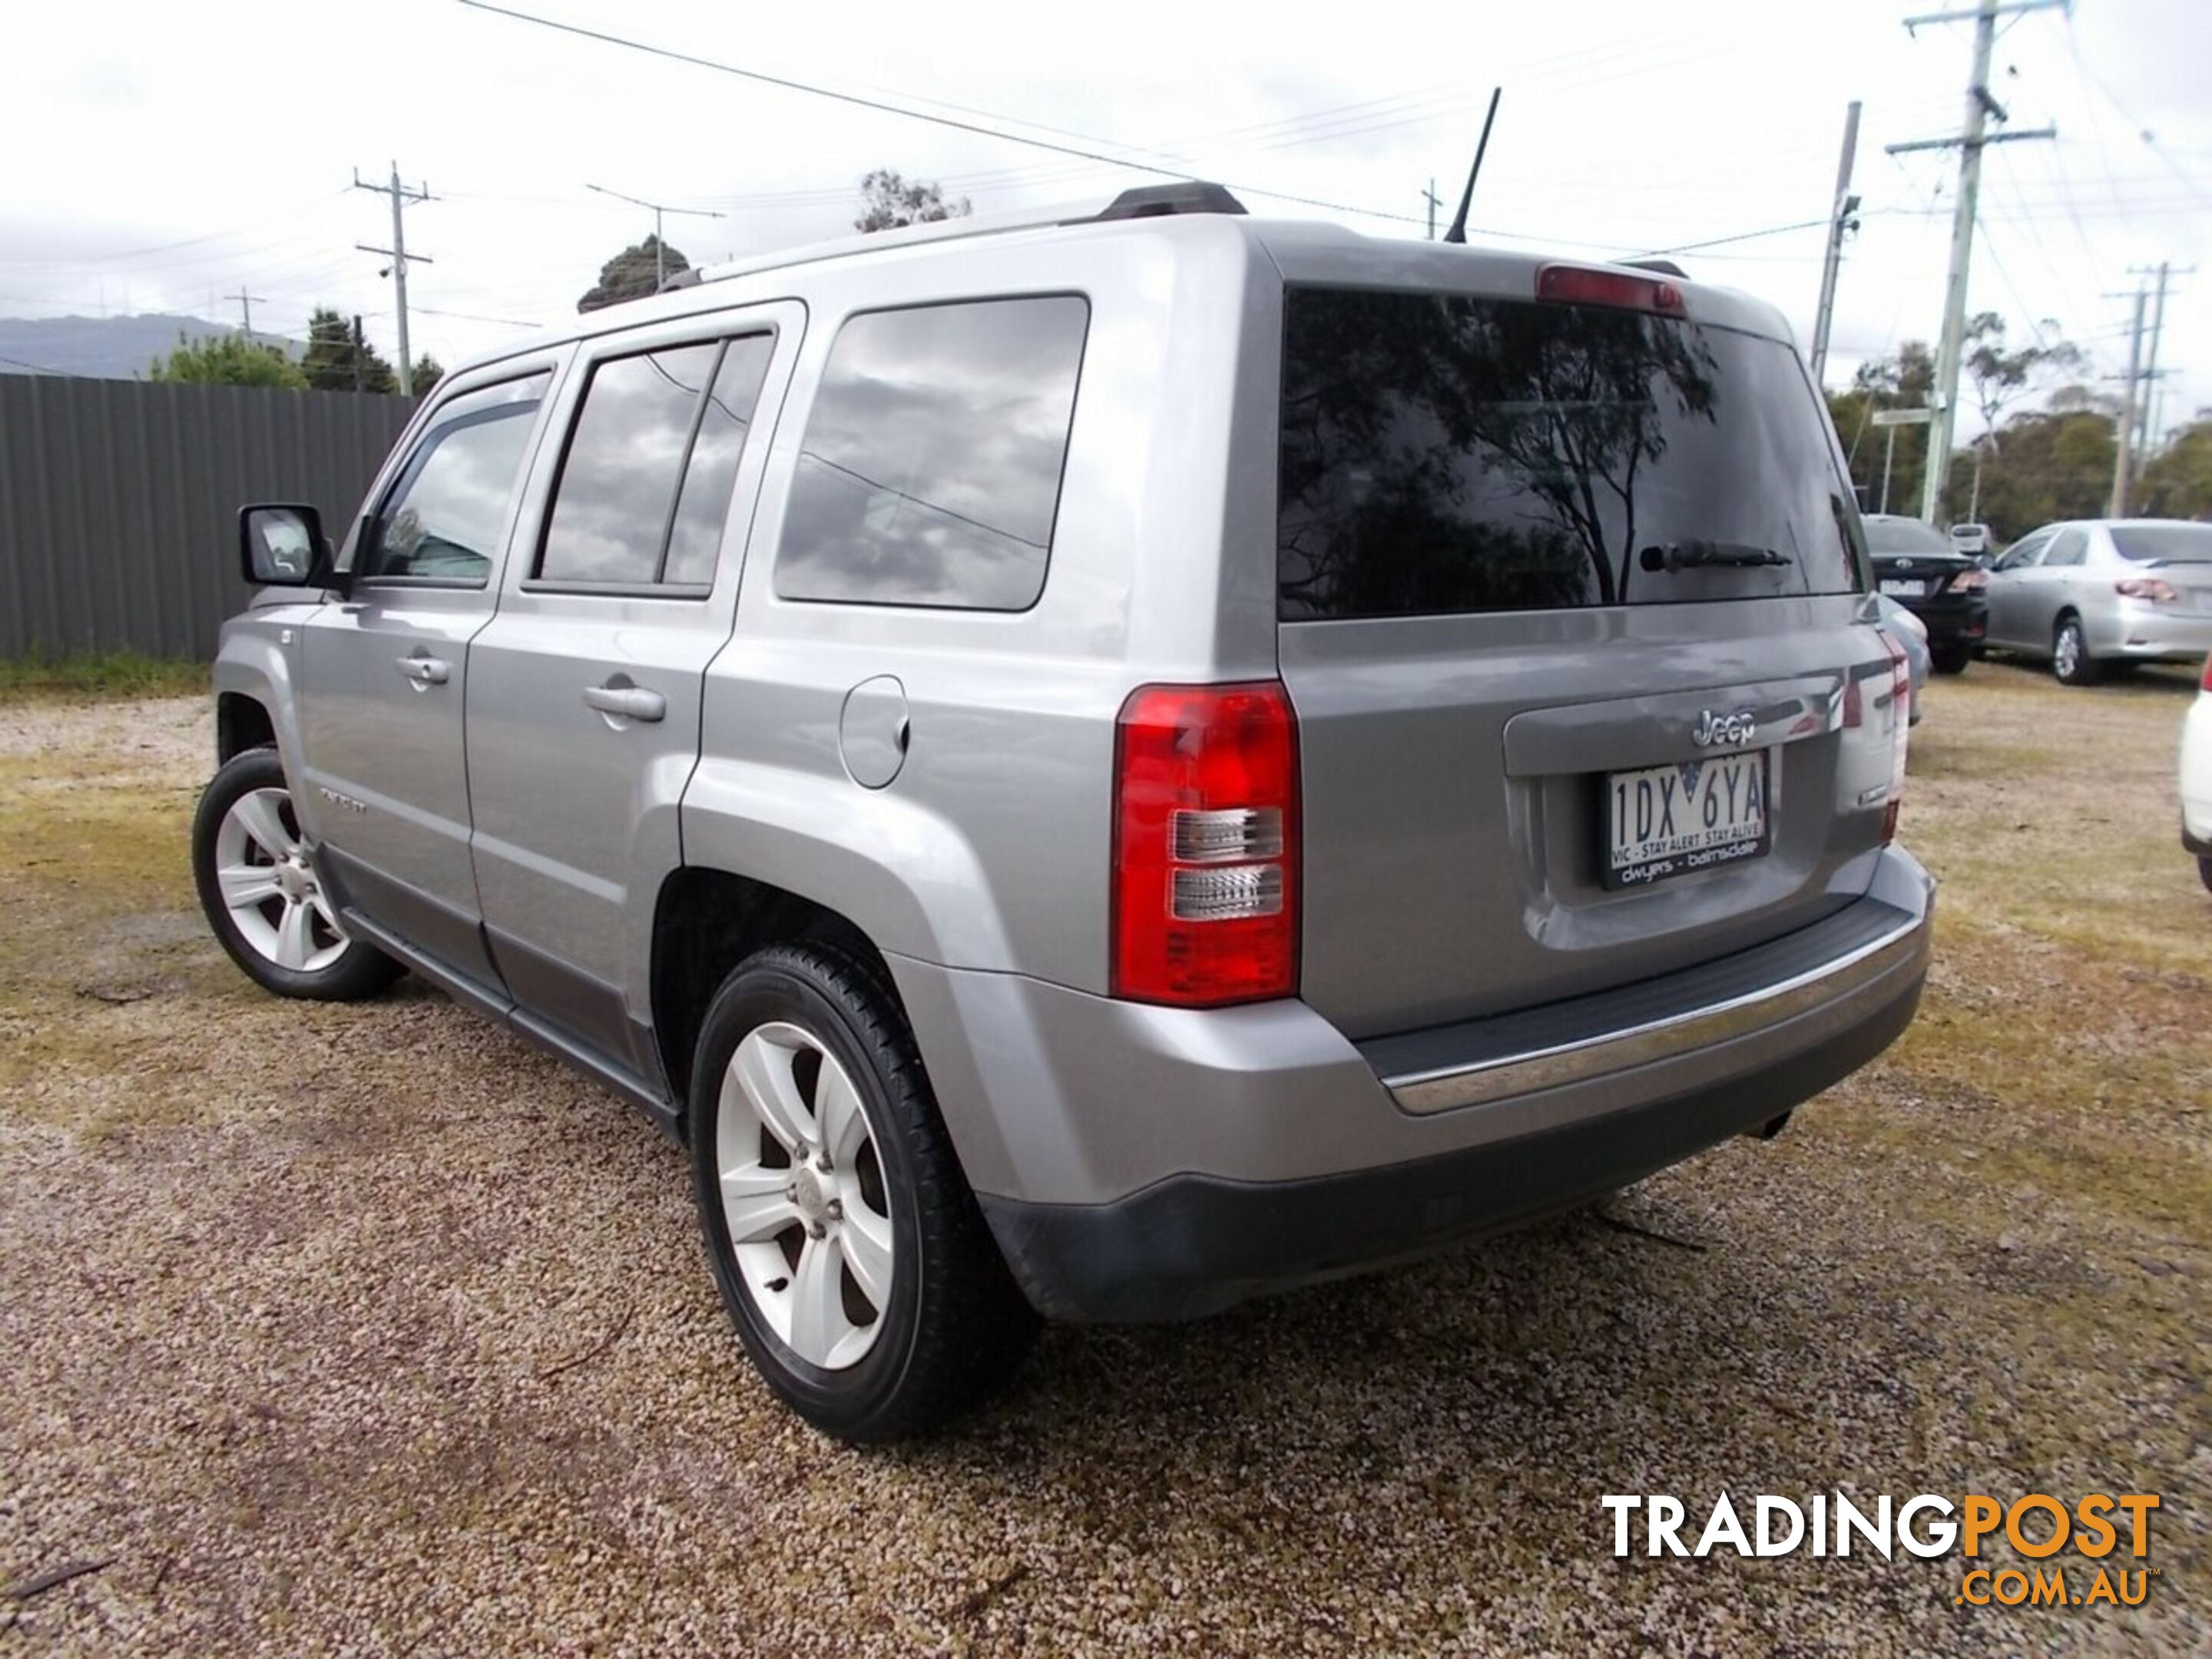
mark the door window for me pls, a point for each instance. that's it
(645, 486)
(2066, 548)
(2024, 553)
(442, 521)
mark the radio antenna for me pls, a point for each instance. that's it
(1458, 231)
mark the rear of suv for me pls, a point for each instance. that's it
(1095, 768)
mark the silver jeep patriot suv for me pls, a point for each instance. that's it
(1098, 766)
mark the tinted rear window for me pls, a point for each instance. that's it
(1905, 536)
(930, 471)
(1442, 454)
(2182, 543)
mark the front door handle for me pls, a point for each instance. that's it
(631, 702)
(424, 671)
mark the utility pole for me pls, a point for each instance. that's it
(1970, 143)
(398, 253)
(659, 242)
(2146, 420)
(2123, 458)
(245, 308)
(1435, 202)
(1839, 220)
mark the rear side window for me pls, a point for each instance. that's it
(2068, 549)
(930, 471)
(1442, 454)
(645, 485)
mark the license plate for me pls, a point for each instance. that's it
(1670, 820)
(1905, 590)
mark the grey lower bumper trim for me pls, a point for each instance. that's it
(1832, 983)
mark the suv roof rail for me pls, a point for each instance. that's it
(1187, 196)
(1190, 195)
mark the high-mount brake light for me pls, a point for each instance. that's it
(1580, 285)
(1206, 845)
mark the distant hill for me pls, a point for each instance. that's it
(105, 348)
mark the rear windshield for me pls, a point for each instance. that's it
(1905, 536)
(1441, 453)
(2169, 544)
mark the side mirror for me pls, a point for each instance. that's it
(281, 544)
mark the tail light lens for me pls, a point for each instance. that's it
(2146, 588)
(1206, 845)
(1897, 708)
(1970, 581)
(2207, 681)
(1901, 725)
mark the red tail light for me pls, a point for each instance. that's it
(1970, 581)
(1206, 845)
(2207, 681)
(1578, 285)
(2146, 588)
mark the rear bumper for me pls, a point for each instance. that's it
(1140, 1162)
(2150, 633)
(1961, 620)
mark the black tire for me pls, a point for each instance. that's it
(2072, 666)
(1949, 658)
(359, 970)
(955, 1327)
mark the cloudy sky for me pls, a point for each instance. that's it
(163, 155)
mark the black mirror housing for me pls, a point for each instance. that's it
(282, 545)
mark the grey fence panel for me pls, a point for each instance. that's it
(118, 501)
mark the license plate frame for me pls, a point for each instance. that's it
(1904, 588)
(1674, 798)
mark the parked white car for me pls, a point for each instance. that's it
(2197, 778)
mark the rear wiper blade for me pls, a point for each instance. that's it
(1695, 553)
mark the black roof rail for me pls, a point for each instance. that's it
(1154, 201)
(1664, 267)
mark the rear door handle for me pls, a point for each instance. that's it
(425, 671)
(628, 701)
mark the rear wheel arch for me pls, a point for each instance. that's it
(705, 922)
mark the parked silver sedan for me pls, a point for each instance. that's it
(2098, 594)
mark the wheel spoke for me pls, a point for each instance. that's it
(258, 812)
(295, 936)
(762, 1071)
(817, 1302)
(247, 884)
(322, 904)
(754, 1205)
(866, 1238)
(837, 1109)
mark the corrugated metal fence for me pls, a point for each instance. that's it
(118, 501)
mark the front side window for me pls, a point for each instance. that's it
(930, 471)
(1442, 454)
(443, 519)
(2026, 551)
(645, 485)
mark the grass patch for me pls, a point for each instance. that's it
(75, 676)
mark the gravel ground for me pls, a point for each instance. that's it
(369, 1330)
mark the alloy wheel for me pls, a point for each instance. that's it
(803, 1196)
(269, 887)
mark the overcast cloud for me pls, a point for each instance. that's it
(163, 155)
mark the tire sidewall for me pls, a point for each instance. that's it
(359, 970)
(777, 987)
(2081, 673)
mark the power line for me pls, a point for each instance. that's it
(958, 125)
